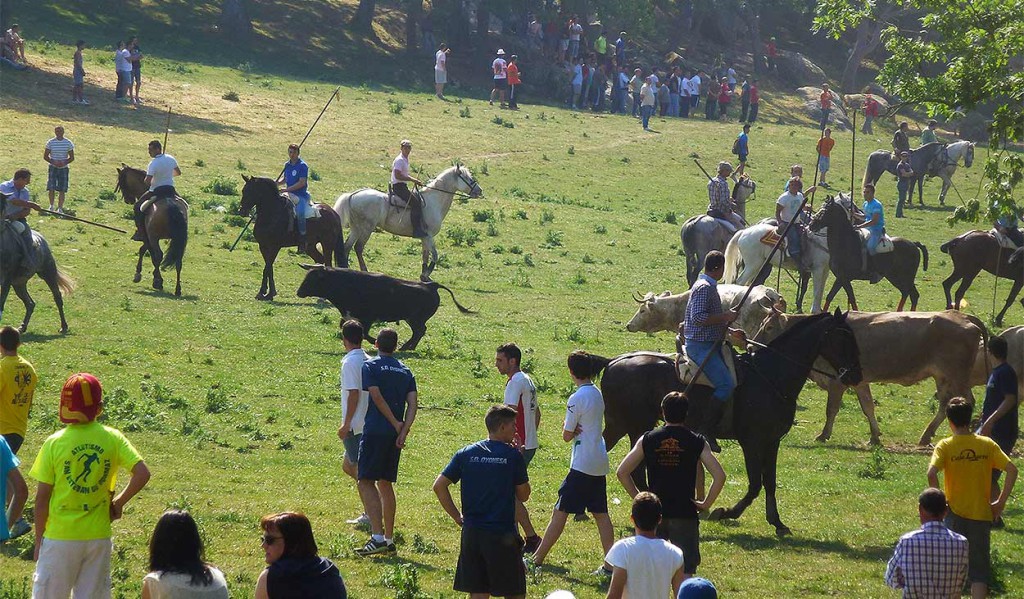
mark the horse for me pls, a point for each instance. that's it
(745, 250)
(934, 160)
(366, 210)
(274, 229)
(163, 219)
(702, 233)
(764, 403)
(15, 272)
(973, 252)
(845, 246)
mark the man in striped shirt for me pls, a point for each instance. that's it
(720, 202)
(931, 561)
(59, 153)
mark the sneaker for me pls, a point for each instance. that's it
(83, 102)
(51, 207)
(531, 545)
(602, 573)
(363, 521)
(59, 210)
(373, 547)
(21, 527)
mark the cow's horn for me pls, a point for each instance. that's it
(637, 298)
(311, 266)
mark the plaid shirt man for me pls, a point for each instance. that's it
(718, 195)
(930, 563)
(704, 302)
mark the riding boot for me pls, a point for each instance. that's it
(714, 409)
(302, 243)
(140, 223)
(416, 208)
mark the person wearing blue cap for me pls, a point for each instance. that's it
(697, 588)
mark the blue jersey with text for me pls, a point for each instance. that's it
(490, 471)
(292, 174)
(395, 382)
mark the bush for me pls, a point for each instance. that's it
(546, 216)
(460, 236)
(108, 196)
(483, 216)
(395, 107)
(553, 239)
(200, 162)
(221, 186)
(231, 96)
(464, 112)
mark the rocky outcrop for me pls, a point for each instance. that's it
(798, 70)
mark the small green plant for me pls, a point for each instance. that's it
(313, 175)
(546, 216)
(521, 214)
(579, 279)
(460, 236)
(231, 96)
(483, 170)
(464, 112)
(492, 229)
(424, 546)
(126, 303)
(521, 279)
(515, 250)
(404, 580)
(600, 229)
(200, 162)
(107, 195)
(478, 369)
(572, 150)
(240, 166)
(553, 239)
(395, 107)
(528, 260)
(508, 125)
(223, 186)
(670, 218)
(216, 401)
(497, 120)
(587, 259)
(877, 464)
(483, 216)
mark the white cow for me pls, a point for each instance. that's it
(664, 312)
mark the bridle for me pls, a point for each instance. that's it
(470, 183)
(838, 375)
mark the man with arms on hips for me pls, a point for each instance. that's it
(17, 390)
(354, 402)
(160, 174)
(493, 477)
(673, 456)
(825, 145)
(400, 179)
(294, 182)
(932, 560)
(441, 70)
(585, 487)
(644, 565)
(521, 394)
(77, 470)
(999, 412)
(59, 153)
(391, 412)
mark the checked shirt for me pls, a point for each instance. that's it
(929, 563)
(718, 195)
(704, 302)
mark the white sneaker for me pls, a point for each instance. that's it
(20, 528)
(60, 210)
(84, 102)
(362, 521)
(51, 207)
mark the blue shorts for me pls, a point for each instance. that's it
(823, 163)
(581, 493)
(378, 457)
(57, 178)
(743, 157)
(351, 443)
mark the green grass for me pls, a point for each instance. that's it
(234, 403)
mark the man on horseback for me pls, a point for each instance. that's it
(160, 174)
(874, 222)
(787, 208)
(1007, 225)
(928, 135)
(900, 140)
(400, 187)
(18, 205)
(720, 202)
(293, 179)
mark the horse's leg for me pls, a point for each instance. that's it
(58, 299)
(157, 254)
(1009, 299)
(425, 253)
(848, 287)
(752, 458)
(271, 288)
(177, 282)
(359, 254)
(920, 190)
(946, 182)
(269, 255)
(836, 286)
(914, 296)
(138, 267)
(801, 292)
(819, 288)
(965, 284)
(769, 472)
(5, 289)
(835, 399)
(947, 286)
(21, 289)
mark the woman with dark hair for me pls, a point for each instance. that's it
(294, 570)
(176, 566)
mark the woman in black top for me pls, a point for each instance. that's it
(294, 570)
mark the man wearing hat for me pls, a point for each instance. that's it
(720, 203)
(904, 174)
(928, 135)
(400, 177)
(77, 470)
(500, 69)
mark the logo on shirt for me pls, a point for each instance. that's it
(87, 470)
(968, 455)
(485, 460)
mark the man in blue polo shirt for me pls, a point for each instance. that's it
(389, 417)
(18, 204)
(999, 414)
(493, 475)
(293, 182)
(874, 222)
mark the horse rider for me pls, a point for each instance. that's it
(704, 327)
(1007, 225)
(160, 174)
(787, 209)
(720, 202)
(874, 222)
(293, 181)
(900, 140)
(400, 178)
(928, 135)
(18, 205)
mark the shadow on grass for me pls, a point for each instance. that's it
(185, 297)
(33, 336)
(751, 542)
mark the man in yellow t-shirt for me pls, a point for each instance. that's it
(17, 387)
(967, 461)
(77, 470)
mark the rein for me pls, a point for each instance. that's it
(837, 376)
(471, 183)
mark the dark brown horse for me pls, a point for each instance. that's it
(975, 251)
(274, 229)
(164, 219)
(844, 249)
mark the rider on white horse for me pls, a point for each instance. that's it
(720, 202)
(399, 187)
(787, 208)
(293, 179)
(874, 222)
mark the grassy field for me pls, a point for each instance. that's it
(234, 403)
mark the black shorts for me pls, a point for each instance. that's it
(684, 533)
(490, 562)
(500, 83)
(378, 457)
(979, 538)
(14, 440)
(581, 493)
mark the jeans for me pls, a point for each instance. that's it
(301, 208)
(636, 103)
(684, 106)
(673, 105)
(867, 124)
(902, 186)
(709, 110)
(872, 242)
(694, 100)
(824, 117)
(576, 89)
(744, 111)
(646, 112)
(793, 239)
(753, 113)
(574, 48)
(715, 369)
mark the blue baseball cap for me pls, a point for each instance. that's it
(697, 588)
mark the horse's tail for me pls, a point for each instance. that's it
(733, 260)
(597, 364)
(178, 225)
(461, 308)
(65, 283)
(342, 208)
(924, 254)
(340, 258)
(686, 236)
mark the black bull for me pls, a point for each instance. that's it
(372, 297)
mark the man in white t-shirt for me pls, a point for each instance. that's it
(400, 179)
(787, 208)
(521, 394)
(160, 177)
(441, 70)
(644, 565)
(585, 488)
(59, 153)
(694, 90)
(354, 401)
(123, 66)
(499, 68)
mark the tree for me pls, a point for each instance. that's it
(868, 38)
(363, 19)
(978, 42)
(234, 19)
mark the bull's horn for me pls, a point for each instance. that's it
(637, 298)
(245, 177)
(311, 266)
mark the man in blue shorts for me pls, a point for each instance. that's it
(389, 416)
(493, 475)
(293, 182)
(354, 402)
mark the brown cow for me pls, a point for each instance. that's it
(904, 348)
(1014, 357)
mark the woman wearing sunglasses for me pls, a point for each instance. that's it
(176, 566)
(294, 570)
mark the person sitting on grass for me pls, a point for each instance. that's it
(293, 567)
(14, 45)
(176, 565)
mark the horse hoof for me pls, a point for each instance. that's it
(177, 292)
(822, 438)
(875, 441)
(22, 329)
(717, 515)
(158, 286)
(782, 531)
(136, 278)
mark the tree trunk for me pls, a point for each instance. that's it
(413, 14)
(483, 22)
(868, 38)
(234, 19)
(363, 20)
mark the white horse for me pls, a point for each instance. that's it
(366, 210)
(702, 233)
(944, 165)
(745, 253)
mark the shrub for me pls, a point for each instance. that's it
(460, 236)
(200, 162)
(553, 239)
(483, 216)
(221, 186)
(546, 216)
(108, 196)
(464, 112)
(231, 96)
(395, 107)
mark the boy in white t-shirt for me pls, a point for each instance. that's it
(354, 401)
(585, 488)
(441, 70)
(645, 566)
(521, 394)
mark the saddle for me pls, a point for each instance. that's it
(685, 367)
(884, 246)
(1003, 240)
(311, 210)
(723, 222)
(396, 201)
(29, 247)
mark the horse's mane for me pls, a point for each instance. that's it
(800, 325)
(443, 174)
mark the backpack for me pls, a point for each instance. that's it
(736, 146)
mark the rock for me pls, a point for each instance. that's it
(797, 69)
(858, 101)
(812, 107)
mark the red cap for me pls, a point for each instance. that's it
(80, 399)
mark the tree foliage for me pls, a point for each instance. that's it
(967, 55)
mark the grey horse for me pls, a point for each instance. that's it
(701, 233)
(16, 270)
(932, 160)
